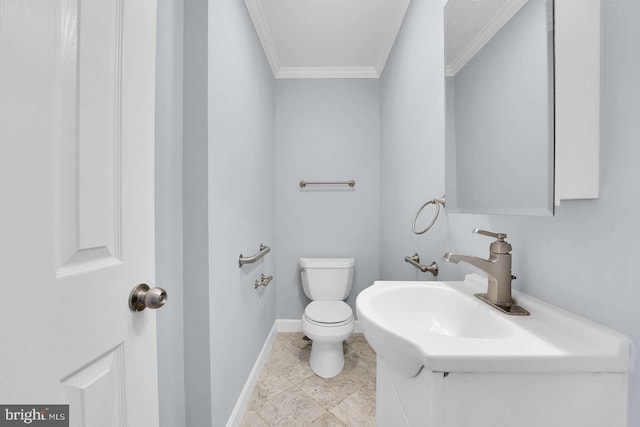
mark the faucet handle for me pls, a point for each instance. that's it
(499, 236)
(498, 247)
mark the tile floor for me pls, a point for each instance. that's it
(288, 393)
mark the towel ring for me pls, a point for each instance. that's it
(436, 202)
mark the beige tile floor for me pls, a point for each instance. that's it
(288, 393)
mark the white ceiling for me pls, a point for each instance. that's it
(470, 24)
(327, 38)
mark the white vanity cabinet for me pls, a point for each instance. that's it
(447, 359)
(466, 399)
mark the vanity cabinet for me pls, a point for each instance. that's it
(447, 359)
(465, 399)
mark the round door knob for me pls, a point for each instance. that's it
(144, 297)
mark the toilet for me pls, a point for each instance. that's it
(327, 319)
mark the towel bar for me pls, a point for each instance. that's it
(350, 183)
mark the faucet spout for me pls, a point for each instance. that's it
(498, 269)
(483, 264)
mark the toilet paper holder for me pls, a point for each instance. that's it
(263, 281)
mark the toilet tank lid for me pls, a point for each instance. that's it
(326, 262)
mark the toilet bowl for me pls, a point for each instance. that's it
(327, 319)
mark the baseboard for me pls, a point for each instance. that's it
(280, 325)
(295, 325)
(245, 396)
(358, 328)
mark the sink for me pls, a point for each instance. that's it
(443, 327)
(436, 309)
(447, 359)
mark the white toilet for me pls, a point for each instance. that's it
(327, 319)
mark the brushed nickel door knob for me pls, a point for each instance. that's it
(144, 297)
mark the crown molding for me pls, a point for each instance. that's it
(484, 35)
(372, 71)
(327, 73)
(257, 16)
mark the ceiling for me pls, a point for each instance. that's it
(470, 24)
(327, 38)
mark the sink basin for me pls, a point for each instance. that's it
(436, 309)
(443, 327)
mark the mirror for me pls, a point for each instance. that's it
(499, 106)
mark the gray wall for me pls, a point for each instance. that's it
(326, 130)
(196, 217)
(240, 200)
(168, 166)
(584, 258)
(412, 149)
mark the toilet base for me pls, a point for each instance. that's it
(326, 359)
(327, 353)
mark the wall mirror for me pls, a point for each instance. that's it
(499, 106)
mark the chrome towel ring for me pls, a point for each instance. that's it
(437, 203)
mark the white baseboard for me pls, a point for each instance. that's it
(245, 396)
(295, 325)
(280, 325)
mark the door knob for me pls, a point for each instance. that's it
(144, 297)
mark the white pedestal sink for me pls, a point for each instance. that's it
(447, 359)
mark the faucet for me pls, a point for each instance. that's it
(498, 269)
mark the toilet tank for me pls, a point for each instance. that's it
(327, 279)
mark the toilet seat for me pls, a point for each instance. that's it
(328, 313)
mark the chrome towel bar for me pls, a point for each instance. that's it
(253, 258)
(415, 261)
(350, 183)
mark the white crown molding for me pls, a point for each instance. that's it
(371, 71)
(484, 35)
(327, 73)
(257, 16)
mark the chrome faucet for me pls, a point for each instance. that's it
(498, 269)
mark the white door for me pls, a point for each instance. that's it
(76, 208)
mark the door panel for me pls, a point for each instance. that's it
(98, 385)
(76, 207)
(90, 147)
